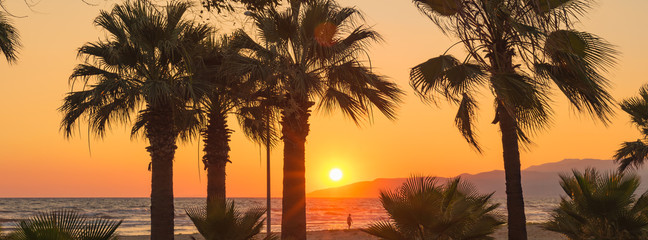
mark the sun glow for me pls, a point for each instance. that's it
(335, 174)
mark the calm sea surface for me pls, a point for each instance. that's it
(322, 214)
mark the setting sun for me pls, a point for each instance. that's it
(335, 174)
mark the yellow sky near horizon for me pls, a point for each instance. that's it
(37, 161)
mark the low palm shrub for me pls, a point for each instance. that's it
(423, 209)
(65, 225)
(223, 221)
(601, 206)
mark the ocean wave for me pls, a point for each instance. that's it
(322, 214)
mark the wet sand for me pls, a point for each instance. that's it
(535, 232)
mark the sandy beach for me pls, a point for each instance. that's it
(535, 232)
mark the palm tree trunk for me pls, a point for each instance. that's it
(295, 128)
(514, 197)
(162, 139)
(216, 138)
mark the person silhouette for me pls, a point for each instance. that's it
(349, 221)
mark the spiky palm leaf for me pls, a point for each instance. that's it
(65, 225)
(601, 206)
(9, 38)
(226, 222)
(423, 209)
(635, 153)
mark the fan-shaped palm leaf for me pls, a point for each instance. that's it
(423, 209)
(635, 153)
(65, 225)
(601, 206)
(9, 38)
(225, 222)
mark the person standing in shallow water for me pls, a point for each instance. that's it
(349, 221)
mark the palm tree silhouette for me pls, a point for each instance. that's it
(315, 52)
(517, 49)
(601, 206)
(635, 153)
(236, 85)
(9, 38)
(143, 70)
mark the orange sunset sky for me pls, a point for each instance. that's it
(37, 161)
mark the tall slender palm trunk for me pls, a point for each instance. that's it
(162, 139)
(216, 138)
(514, 197)
(501, 57)
(295, 128)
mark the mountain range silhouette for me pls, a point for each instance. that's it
(537, 181)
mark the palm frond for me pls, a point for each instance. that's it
(578, 60)
(525, 99)
(635, 153)
(385, 230)
(65, 224)
(465, 120)
(637, 108)
(224, 221)
(422, 209)
(631, 154)
(318, 58)
(145, 62)
(600, 206)
(501, 37)
(9, 38)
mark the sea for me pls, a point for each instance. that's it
(321, 213)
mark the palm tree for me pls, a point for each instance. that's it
(423, 209)
(601, 206)
(219, 102)
(9, 38)
(225, 222)
(517, 49)
(315, 52)
(235, 86)
(143, 70)
(65, 225)
(635, 153)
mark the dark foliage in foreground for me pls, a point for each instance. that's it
(601, 206)
(223, 221)
(422, 209)
(65, 225)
